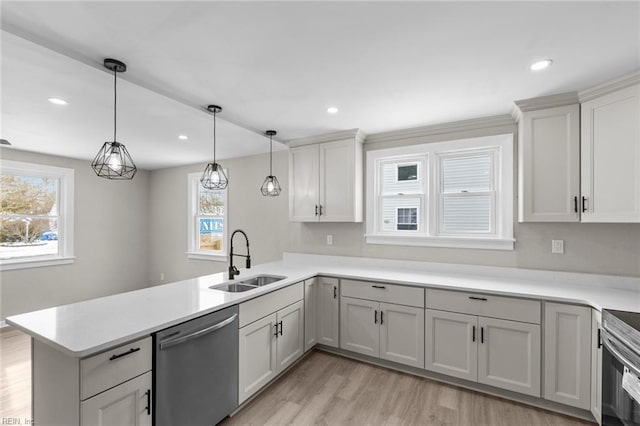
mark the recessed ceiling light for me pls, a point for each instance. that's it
(332, 110)
(57, 101)
(540, 65)
(183, 137)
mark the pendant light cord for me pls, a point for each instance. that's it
(115, 102)
(214, 137)
(270, 155)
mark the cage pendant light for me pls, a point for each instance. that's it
(270, 187)
(113, 160)
(213, 176)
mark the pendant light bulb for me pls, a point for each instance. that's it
(270, 187)
(213, 176)
(113, 160)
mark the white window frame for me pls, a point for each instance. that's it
(193, 252)
(65, 202)
(429, 234)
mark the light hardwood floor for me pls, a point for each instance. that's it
(323, 389)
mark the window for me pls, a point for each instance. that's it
(445, 194)
(36, 217)
(207, 221)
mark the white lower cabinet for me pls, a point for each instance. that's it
(126, 404)
(567, 355)
(500, 353)
(268, 345)
(310, 313)
(328, 304)
(509, 355)
(596, 366)
(383, 330)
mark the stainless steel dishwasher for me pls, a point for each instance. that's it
(196, 370)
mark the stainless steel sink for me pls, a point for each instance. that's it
(248, 284)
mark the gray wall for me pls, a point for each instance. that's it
(111, 243)
(264, 219)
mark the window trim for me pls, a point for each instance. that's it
(193, 182)
(66, 189)
(503, 164)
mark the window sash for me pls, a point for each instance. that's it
(194, 249)
(420, 214)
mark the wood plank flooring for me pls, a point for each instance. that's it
(323, 389)
(326, 389)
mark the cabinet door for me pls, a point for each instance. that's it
(310, 313)
(303, 184)
(328, 307)
(402, 334)
(340, 198)
(126, 404)
(359, 329)
(509, 355)
(567, 354)
(610, 151)
(549, 165)
(450, 341)
(257, 356)
(290, 341)
(596, 366)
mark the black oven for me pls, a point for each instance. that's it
(620, 368)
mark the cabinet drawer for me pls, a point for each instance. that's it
(484, 305)
(382, 292)
(108, 369)
(262, 306)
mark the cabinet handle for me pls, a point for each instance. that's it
(381, 317)
(375, 317)
(148, 407)
(316, 210)
(584, 204)
(481, 334)
(473, 333)
(276, 333)
(599, 338)
(129, 352)
(320, 209)
(281, 328)
(378, 286)
(335, 292)
(575, 204)
(484, 299)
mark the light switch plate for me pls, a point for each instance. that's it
(557, 246)
(329, 240)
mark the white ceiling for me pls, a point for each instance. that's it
(279, 65)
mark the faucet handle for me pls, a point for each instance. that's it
(233, 271)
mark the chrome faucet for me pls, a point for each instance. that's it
(233, 271)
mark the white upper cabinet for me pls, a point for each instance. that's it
(549, 159)
(579, 155)
(326, 178)
(610, 149)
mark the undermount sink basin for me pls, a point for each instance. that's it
(248, 284)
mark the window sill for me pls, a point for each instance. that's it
(450, 242)
(8, 265)
(202, 256)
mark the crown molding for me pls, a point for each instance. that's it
(610, 86)
(543, 102)
(356, 134)
(443, 128)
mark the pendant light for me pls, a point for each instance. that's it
(270, 187)
(213, 176)
(113, 160)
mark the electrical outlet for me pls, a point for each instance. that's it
(557, 246)
(329, 240)
(161, 276)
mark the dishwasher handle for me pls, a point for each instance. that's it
(178, 340)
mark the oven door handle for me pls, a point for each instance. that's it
(611, 347)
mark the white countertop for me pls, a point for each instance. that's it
(85, 328)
